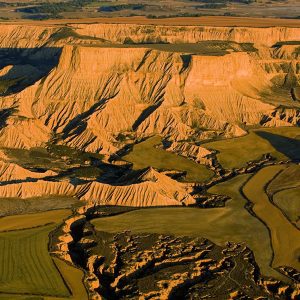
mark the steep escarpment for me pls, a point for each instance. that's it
(187, 34)
(83, 91)
(25, 36)
(93, 94)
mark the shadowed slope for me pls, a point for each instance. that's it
(288, 146)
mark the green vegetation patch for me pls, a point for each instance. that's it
(120, 7)
(146, 154)
(288, 178)
(74, 279)
(26, 266)
(6, 84)
(33, 220)
(55, 157)
(284, 236)
(52, 10)
(211, 48)
(288, 202)
(18, 206)
(282, 143)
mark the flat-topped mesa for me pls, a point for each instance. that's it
(33, 36)
(81, 97)
(120, 33)
(94, 93)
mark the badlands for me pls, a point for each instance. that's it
(142, 161)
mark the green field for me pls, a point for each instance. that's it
(288, 178)
(289, 202)
(33, 220)
(282, 143)
(209, 48)
(74, 279)
(145, 154)
(18, 206)
(230, 223)
(285, 237)
(54, 157)
(26, 266)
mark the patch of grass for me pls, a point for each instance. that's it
(74, 279)
(17, 206)
(210, 48)
(288, 178)
(26, 266)
(75, 155)
(214, 48)
(87, 172)
(55, 157)
(145, 154)
(236, 152)
(230, 223)
(284, 236)
(6, 84)
(33, 220)
(288, 202)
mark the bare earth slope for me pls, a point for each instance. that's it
(80, 96)
(99, 87)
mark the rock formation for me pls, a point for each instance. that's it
(99, 89)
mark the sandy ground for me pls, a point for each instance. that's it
(205, 21)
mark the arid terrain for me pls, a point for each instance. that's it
(150, 158)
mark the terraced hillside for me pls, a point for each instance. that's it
(100, 122)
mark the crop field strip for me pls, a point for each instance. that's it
(74, 279)
(25, 221)
(284, 192)
(285, 246)
(288, 202)
(27, 267)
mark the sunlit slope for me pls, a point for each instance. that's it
(86, 87)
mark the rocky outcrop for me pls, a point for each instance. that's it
(186, 34)
(153, 189)
(65, 237)
(11, 172)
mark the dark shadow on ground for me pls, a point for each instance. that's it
(288, 146)
(4, 115)
(25, 66)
